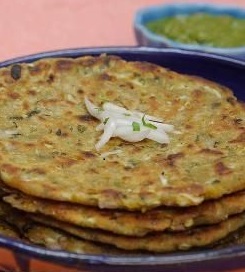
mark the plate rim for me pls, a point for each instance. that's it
(73, 52)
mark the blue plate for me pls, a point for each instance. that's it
(220, 69)
(147, 38)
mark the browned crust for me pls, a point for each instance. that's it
(50, 93)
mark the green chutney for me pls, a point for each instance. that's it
(203, 29)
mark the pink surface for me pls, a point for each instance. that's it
(30, 26)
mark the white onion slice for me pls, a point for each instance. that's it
(112, 107)
(100, 127)
(146, 116)
(92, 109)
(118, 122)
(126, 133)
(108, 132)
(164, 127)
(131, 126)
(159, 137)
(106, 114)
(125, 122)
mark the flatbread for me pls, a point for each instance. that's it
(52, 238)
(156, 242)
(6, 229)
(133, 223)
(58, 240)
(237, 238)
(48, 138)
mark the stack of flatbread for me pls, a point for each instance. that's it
(60, 192)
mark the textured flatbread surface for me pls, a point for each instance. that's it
(6, 229)
(53, 238)
(236, 238)
(48, 138)
(159, 242)
(133, 223)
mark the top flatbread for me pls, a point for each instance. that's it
(48, 137)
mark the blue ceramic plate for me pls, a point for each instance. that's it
(220, 69)
(147, 38)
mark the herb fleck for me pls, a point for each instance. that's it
(16, 118)
(81, 128)
(58, 132)
(136, 126)
(15, 124)
(33, 129)
(216, 143)
(33, 112)
(149, 125)
(197, 138)
(58, 153)
(106, 120)
(16, 134)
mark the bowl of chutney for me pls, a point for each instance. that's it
(217, 29)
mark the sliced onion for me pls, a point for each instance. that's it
(126, 133)
(100, 127)
(164, 127)
(134, 137)
(112, 107)
(107, 114)
(125, 122)
(92, 109)
(108, 132)
(117, 121)
(159, 137)
(152, 118)
(147, 117)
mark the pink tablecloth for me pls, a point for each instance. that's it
(30, 26)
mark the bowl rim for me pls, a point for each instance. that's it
(186, 8)
(106, 259)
